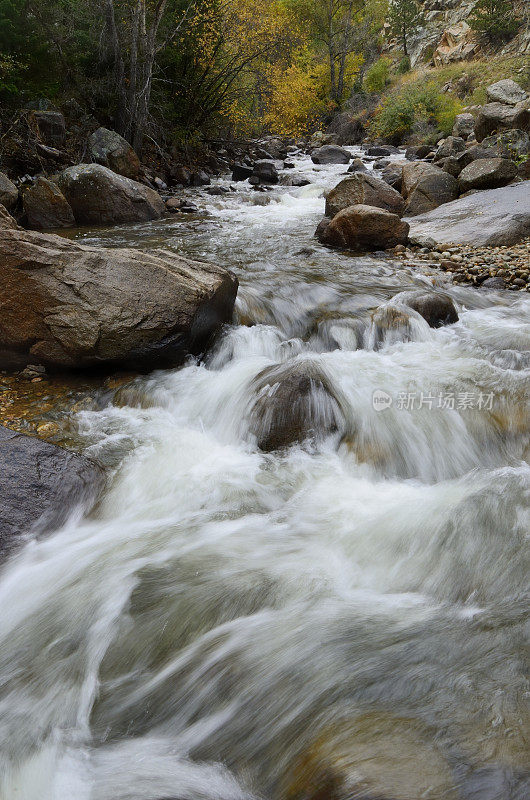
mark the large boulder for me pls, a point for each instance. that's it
(490, 218)
(451, 146)
(425, 187)
(381, 150)
(363, 227)
(46, 206)
(357, 165)
(487, 173)
(330, 154)
(437, 309)
(506, 91)
(363, 189)
(464, 125)
(265, 171)
(108, 148)
(50, 126)
(508, 144)
(293, 402)
(40, 486)
(241, 172)
(68, 306)
(496, 117)
(8, 192)
(98, 196)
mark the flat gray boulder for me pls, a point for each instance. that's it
(68, 306)
(40, 485)
(489, 218)
(487, 173)
(99, 196)
(506, 91)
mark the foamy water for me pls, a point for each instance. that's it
(225, 615)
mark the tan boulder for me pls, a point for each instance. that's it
(363, 189)
(457, 44)
(362, 227)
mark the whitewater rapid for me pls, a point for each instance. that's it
(234, 624)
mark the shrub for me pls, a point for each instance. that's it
(377, 76)
(494, 20)
(411, 105)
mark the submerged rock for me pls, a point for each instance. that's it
(363, 189)
(437, 309)
(68, 306)
(293, 402)
(98, 196)
(363, 227)
(40, 485)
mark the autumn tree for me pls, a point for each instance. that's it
(405, 17)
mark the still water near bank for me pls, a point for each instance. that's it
(233, 624)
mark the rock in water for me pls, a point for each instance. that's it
(330, 154)
(8, 192)
(426, 187)
(293, 402)
(108, 148)
(46, 206)
(436, 308)
(487, 173)
(363, 189)
(98, 196)
(68, 306)
(490, 218)
(40, 485)
(6, 220)
(362, 227)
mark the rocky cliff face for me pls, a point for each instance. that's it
(446, 37)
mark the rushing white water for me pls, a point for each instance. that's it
(234, 624)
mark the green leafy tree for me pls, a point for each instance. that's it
(405, 17)
(494, 20)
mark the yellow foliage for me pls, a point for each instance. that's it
(296, 98)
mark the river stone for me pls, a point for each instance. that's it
(98, 196)
(393, 175)
(293, 402)
(265, 171)
(490, 218)
(425, 187)
(382, 150)
(8, 192)
(508, 144)
(487, 173)
(363, 227)
(108, 148)
(436, 308)
(390, 324)
(363, 189)
(40, 486)
(496, 117)
(68, 306)
(373, 756)
(464, 125)
(357, 165)
(46, 206)
(6, 220)
(506, 91)
(330, 154)
(241, 172)
(450, 147)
